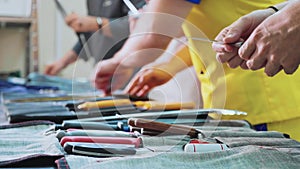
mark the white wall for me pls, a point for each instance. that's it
(12, 49)
(56, 38)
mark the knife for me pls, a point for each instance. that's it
(99, 150)
(197, 113)
(143, 105)
(137, 142)
(95, 133)
(80, 35)
(236, 44)
(165, 128)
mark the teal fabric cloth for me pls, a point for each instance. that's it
(74, 85)
(247, 149)
(26, 141)
(248, 157)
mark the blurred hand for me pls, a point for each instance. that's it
(81, 23)
(56, 67)
(53, 69)
(147, 79)
(240, 30)
(275, 45)
(110, 76)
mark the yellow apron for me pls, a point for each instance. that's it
(266, 99)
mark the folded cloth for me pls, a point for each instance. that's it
(62, 163)
(261, 141)
(69, 85)
(251, 150)
(247, 157)
(9, 87)
(24, 144)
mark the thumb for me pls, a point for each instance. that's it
(235, 31)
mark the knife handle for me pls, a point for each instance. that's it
(104, 104)
(99, 150)
(164, 127)
(89, 125)
(94, 133)
(137, 142)
(152, 105)
(203, 148)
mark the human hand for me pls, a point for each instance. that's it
(275, 45)
(57, 66)
(53, 69)
(81, 23)
(238, 31)
(110, 76)
(147, 79)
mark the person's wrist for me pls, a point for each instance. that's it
(274, 8)
(99, 22)
(271, 10)
(171, 70)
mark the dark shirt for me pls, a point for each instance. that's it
(101, 46)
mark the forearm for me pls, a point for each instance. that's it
(180, 61)
(140, 50)
(105, 27)
(68, 58)
(152, 33)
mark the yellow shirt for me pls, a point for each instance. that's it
(265, 99)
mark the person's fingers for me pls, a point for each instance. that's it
(258, 59)
(289, 63)
(47, 70)
(226, 56)
(233, 35)
(290, 69)
(235, 62)
(144, 91)
(101, 86)
(220, 47)
(76, 26)
(140, 83)
(131, 85)
(108, 91)
(217, 47)
(272, 68)
(102, 83)
(53, 72)
(135, 90)
(244, 65)
(247, 49)
(104, 86)
(71, 18)
(256, 63)
(237, 29)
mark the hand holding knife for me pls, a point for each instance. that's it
(237, 44)
(80, 35)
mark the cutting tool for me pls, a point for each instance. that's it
(237, 44)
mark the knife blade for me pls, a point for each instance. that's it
(236, 44)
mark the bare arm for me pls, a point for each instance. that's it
(153, 31)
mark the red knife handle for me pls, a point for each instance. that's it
(137, 142)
